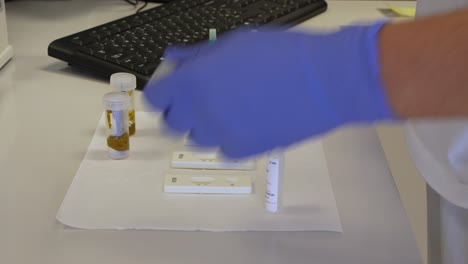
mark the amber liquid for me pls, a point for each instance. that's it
(108, 116)
(131, 116)
(119, 143)
(131, 122)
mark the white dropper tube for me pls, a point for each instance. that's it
(126, 82)
(274, 181)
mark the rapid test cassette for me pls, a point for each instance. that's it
(207, 160)
(210, 184)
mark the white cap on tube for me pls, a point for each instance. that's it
(116, 101)
(123, 81)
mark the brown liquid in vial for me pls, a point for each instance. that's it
(119, 143)
(108, 116)
(131, 116)
(131, 122)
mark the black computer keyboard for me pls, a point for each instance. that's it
(136, 43)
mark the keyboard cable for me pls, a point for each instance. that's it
(135, 4)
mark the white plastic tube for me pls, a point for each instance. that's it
(274, 182)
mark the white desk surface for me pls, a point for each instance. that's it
(49, 111)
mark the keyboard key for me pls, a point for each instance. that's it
(81, 40)
(132, 62)
(127, 63)
(137, 20)
(118, 58)
(124, 25)
(268, 6)
(101, 54)
(86, 50)
(146, 18)
(114, 47)
(147, 68)
(96, 34)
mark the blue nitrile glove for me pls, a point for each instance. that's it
(251, 92)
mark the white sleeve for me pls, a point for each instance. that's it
(439, 150)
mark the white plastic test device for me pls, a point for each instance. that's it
(211, 184)
(210, 161)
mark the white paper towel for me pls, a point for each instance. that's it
(127, 194)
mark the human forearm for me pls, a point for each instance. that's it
(424, 66)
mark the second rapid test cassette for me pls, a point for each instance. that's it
(207, 160)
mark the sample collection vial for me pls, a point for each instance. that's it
(126, 82)
(117, 130)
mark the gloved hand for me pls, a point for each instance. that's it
(251, 92)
